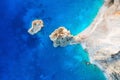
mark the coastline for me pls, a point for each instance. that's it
(91, 28)
(101, 39)
(98, 55)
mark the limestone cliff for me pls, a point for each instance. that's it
(103, 39)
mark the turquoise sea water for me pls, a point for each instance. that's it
(26, 57)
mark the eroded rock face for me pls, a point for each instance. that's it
(61, 37)
(36, 27)
(108, 3)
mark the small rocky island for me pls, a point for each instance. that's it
(101, 39)
(61, 37)
(36, 27)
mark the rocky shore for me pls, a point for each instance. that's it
(101, 39)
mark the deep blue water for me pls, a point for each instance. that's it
(26, 57)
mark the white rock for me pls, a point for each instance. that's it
(36, 27)
(61, 37)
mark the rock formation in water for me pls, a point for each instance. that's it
(36, 27)
(61, 37)
(101, 39)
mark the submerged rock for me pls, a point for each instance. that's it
(36, 27)
(61, 37)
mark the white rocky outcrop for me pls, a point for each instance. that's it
(61, 37)
(36, 27)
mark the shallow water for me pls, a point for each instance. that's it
(26, 57)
